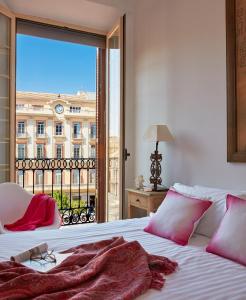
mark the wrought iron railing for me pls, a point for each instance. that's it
(75, 197)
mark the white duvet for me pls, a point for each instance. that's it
(201, 275)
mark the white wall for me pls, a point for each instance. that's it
(180, 80)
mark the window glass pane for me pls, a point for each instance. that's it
(58, 177)
(76, 151)
(58, 128)
(59, 151)
(40, 127)
(21, 151)
(40, 151)
(93, 131)
(39, 177)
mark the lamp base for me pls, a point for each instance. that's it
(155, 169)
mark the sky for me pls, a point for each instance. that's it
(52, 66)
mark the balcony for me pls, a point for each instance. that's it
(21, 135)
(41, 136)
(78, 136)
(75, 198)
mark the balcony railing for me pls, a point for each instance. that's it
(75, 199)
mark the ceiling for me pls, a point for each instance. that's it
(95, 14)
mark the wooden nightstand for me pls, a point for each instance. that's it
(149, 201)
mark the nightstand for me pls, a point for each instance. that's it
(149, 201)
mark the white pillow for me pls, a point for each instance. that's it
(183, 189)
(211, 220)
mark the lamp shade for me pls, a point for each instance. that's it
(158, 133)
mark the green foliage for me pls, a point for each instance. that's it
(64, 201)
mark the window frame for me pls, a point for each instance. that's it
(58, 125)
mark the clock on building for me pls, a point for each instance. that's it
(59, 109)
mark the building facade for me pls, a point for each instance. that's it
(51, 126)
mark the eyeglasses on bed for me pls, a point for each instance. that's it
(48, 256)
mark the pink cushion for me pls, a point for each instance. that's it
(177, 217)
(230, 239)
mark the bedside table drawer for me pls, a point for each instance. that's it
(138, 201)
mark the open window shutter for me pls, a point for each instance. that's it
(7, 95)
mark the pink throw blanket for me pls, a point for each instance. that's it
(40, 212)
(107, 270)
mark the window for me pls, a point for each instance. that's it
(21, 151)
(93, 151)
(58, 128)
(92, 177)
(40, 128)
(40, 151)
(39, 177)
(20, 106)
(76, 151)
(58, 177)
(59, 151)
(37, 107)
(76, 130)
(20, 177)
(75, 176)
(75, 109)
(21, 128)
(93, 131)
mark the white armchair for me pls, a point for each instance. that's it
(14, 201)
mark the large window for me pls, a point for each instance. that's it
(21, 128)
(21, 151)
(59, 128)
(40, 127)
(40, 151)
(76, 151)
(76, 130)
(58, 151)
(93, 131)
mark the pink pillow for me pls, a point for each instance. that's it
(177, 217)
(229, 241)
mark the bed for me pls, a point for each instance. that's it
(201, 275)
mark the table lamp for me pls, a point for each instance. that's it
(157, 133)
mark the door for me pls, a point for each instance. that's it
(7, 95)
(114, 138)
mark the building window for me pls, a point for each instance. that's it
(20, 106)
(59, 151)
(92, 177)
(39, 177)
(40, 128)
(76, 151)
(93, 131)
(93, 151)
(76, 130)
(58, 128)
(21, 151)
(75, 176)
(75, 109)
(20, 177)
(21, 128)
(40, 151)
(58, 177)
(37, 107)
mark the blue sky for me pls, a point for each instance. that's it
(51, 66)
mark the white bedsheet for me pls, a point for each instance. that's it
(201, 275)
